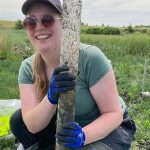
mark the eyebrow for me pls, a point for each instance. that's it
(44, 13)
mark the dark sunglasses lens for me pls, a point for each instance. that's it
(29, 23)
(48, 20)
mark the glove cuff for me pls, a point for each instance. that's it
(83, 139)
(51, 100)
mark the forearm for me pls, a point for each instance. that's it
(102, 126)
(39, 117)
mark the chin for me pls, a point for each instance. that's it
(43, 49)
(43, 46)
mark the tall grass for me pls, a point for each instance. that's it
(14, 47)
(5, 44)
(132, 44)
(8, 79)
(6, 24)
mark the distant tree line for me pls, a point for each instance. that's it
(109, 30)
(104, 30)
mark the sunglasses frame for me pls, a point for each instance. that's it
(33, 26)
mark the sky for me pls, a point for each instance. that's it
(94, 12)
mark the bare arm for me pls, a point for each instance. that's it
(36, 114)
(106, 96)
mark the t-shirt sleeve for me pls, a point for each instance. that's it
(25, 73)
(96, 65)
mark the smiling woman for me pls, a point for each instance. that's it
(42, 79)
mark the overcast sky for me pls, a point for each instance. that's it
(94, 12)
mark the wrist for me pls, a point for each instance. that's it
(51, 99)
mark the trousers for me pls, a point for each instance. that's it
(45, 138)
(119, 139)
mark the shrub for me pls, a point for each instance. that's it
(18, 25)
(129, 29)
(144, 31)
(103, 30)
(93, 30)
(111, 31)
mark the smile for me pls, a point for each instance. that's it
(39, 37)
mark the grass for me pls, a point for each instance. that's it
(127, 54)
(140, 113)
(14, 50)
(132, 44)
(8, 79)
(7, 24)
(7, 144)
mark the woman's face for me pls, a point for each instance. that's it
(44, 38)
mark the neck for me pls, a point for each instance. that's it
(51, 59)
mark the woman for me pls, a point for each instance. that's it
(41, 81)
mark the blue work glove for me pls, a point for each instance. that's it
(61, 81)
(71, 135)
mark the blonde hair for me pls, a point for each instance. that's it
(40, 75)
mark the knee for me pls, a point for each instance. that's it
(15, 121)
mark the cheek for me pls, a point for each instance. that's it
(59, 31)
(30, 36)
(58, 26)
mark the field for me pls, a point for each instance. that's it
(128, 54)
(6, 24)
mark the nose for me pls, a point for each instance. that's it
(39, 25)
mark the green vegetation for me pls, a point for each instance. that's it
(18, 25)
(130, 44)
(102, 30)
(127, 53)
(7, 144)
(6, 24)
(14, 47)
(4, 124)
(5, 44)
(109, 30)
(129, 29)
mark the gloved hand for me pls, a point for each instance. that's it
(71, 135)
(61, 81)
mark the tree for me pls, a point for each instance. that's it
(130, 29)
(18, 25)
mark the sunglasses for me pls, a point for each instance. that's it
(47, 20)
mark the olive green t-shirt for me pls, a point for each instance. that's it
(92, 66)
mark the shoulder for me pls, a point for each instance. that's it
(92, 53)
(25, 71)
(93, 64)
(28, 61)
(86, 48)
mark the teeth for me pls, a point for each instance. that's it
(42, 37)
